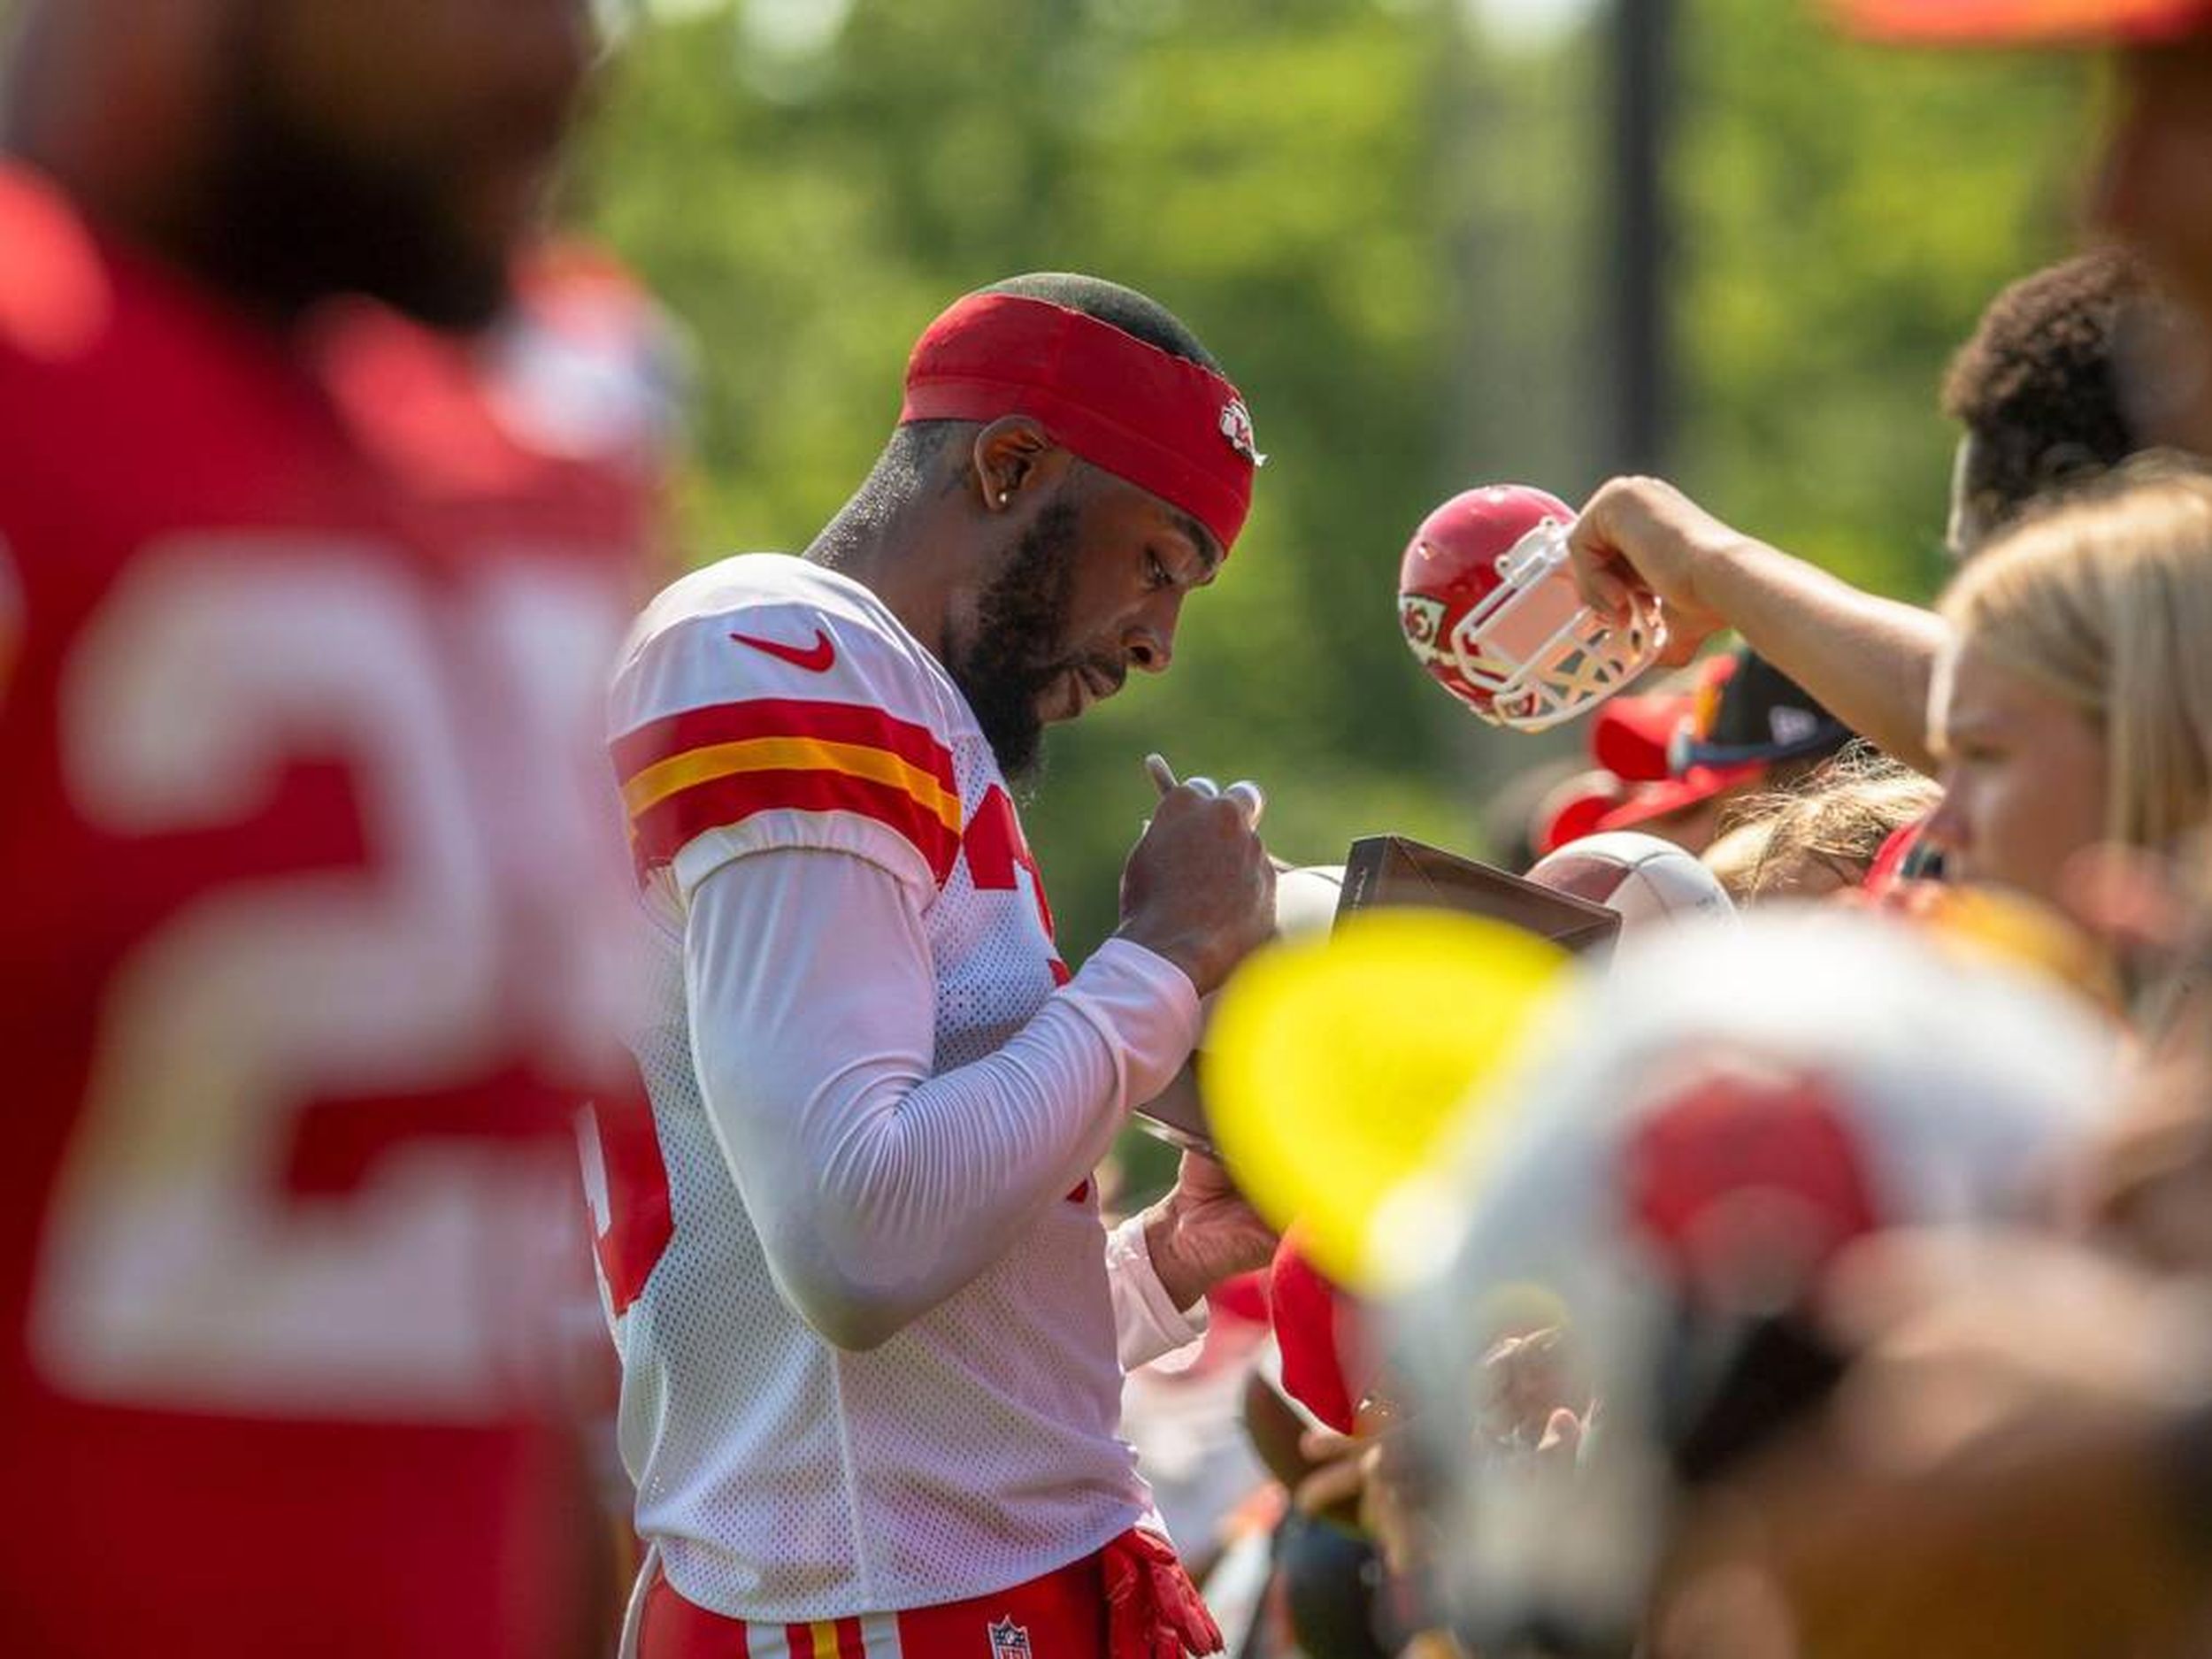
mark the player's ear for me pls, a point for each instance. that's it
(1014, 455)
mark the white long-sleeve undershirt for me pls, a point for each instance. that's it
(877, 1188)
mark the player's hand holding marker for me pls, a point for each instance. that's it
(1198, 887)
(1248, 796)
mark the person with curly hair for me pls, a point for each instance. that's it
(2045, 388)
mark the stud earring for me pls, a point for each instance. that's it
(1002, 498)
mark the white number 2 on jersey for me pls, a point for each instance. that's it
(176, 1271)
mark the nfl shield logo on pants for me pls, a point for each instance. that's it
(1008, 1640)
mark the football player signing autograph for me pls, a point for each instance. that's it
(873, 1328)
(304, 623)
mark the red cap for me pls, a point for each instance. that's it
(1162, 422)
(1574, 809)
(1629, 736)
(2026, 22)
(1316, 1327)
(1676, 794)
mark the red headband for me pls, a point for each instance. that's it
(1162, 422)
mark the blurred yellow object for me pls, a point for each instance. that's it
(1337, 1067)
(2006, 928)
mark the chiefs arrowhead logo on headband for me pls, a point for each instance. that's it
(1236, 425)
(1139, 413)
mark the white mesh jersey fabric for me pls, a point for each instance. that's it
(782, 1478)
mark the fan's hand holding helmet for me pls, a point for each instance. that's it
(1488, 605)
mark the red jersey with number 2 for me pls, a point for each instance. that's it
(302, 645)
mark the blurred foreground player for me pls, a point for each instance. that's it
(872, 1329)
(299, 963)
(1689, 1157)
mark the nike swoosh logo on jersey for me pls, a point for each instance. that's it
(815, 658)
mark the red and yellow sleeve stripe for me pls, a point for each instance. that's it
(715, 767)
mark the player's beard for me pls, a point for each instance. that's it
(1019, 645)
(285, 213)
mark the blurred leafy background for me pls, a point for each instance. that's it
(1389, 219)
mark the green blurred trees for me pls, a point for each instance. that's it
(1846, 213)
(1391, 232)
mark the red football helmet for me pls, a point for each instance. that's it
(1486, 602)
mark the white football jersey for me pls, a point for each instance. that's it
(768, 703)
